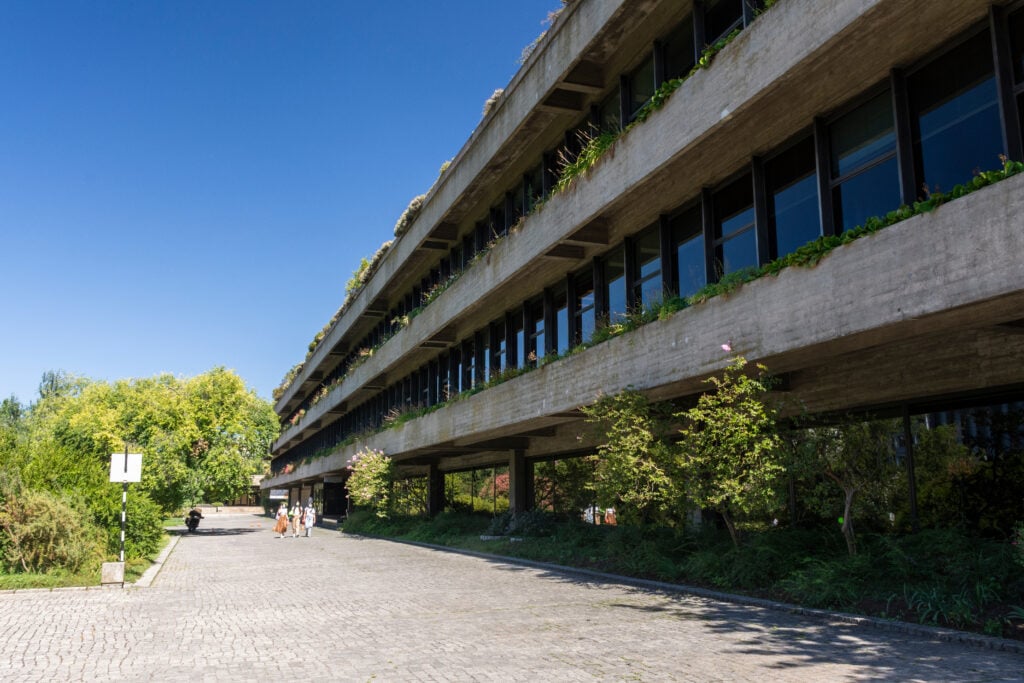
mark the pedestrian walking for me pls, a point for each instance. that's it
(309, 520)
(281, 526)
(296, 515)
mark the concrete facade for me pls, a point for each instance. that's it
(927, 310)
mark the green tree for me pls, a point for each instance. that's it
(858, 457)
(636, 472)
(371, 480)
(729, 456)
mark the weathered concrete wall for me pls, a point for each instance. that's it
(579, 26)
(755, 96)
(940, 282)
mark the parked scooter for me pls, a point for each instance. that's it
(192, 519)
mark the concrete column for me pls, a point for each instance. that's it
(435, 490)
(520, 482)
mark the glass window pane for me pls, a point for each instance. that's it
(609, 113)
(739, 252)
(792, 190)
(615, 276)
(721, 17)
(956, 115)
(874, 192)
(562, 323)
(585, 313)
(641, 85)
(1017, 43)
(688, 238)
(734, 226)
(679, 50)
(647, 250)
(864, 135)
(534, 187)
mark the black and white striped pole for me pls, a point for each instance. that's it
(124, 467)
(124, 500)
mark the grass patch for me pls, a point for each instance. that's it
(134, 568)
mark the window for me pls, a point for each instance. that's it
(535, 328)
(499, 348)
(641, 86)
(678, 50)
(955, 115)
(689, 258)
(615, 279)
(792, 194)
(865, 179)
(647, 289)
(735, 237)
(585, 313)
(609, 113)
(520, 340)
(533, 187)
(720, 18)
(561, 331)
(1016, 22)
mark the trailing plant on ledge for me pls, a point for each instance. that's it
(806, 256)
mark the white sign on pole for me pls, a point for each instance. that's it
(125, 467)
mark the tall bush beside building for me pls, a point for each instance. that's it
(371, 481)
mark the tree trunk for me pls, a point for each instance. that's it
(731, 526)
(851, 541)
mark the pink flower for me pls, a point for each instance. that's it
(727, 347)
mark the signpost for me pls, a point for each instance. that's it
(124, 467)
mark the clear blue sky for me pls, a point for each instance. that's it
(186, 184)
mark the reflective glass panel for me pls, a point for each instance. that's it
(615, 276)
(863, 136)
(956, 115)
(641, 85)
(647, 250)
(875, 192)
(609, 113)
(585, 314)
(679, 54)
(734, 226)
(792, 190)
(1017, 43)
(721, 17)
(688, 238)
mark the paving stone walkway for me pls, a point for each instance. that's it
(234, 603)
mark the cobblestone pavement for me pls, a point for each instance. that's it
(234, 603)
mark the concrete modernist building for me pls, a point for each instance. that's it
(815, 117)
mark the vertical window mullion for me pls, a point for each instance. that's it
(823, 163)
(480, 349)
(708, 225)
(761, 227)
(904, 137)
(550, 324)
(572, 310)
(600, 291)
(1002, 58)
(699, 30)
(669, 276)
(630, 267)
(625, 100)
(511, 350)
(748, 12)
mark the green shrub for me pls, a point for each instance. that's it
(143, 524)
(43, 532)
(532, 523)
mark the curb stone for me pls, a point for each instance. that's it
(939, 633)
(150, 574)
